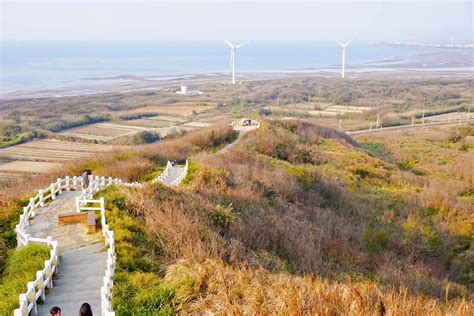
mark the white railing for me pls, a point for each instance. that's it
(161, 178)
(84, 202)
(108, 283)
(181, 176)
(97, 184)
(164, 174)
(44, 277)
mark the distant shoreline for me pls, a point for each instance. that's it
(433, 63)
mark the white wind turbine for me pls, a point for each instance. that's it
(233, 48)
(343, 45)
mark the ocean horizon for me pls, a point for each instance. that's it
(32, 66)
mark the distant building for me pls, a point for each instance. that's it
(185, 91)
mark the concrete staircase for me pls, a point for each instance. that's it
(173, 174)
(80, 278)
(82, 261)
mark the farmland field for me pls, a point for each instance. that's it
(156, 121)
(102, 131)
(179, 109)
(18, 166)
(51, 150)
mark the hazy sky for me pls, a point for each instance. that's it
(236, 20)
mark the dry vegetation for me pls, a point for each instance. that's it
(295, 219)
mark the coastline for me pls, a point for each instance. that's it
(437, 62)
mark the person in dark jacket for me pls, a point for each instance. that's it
(85, 178)
(85, 310)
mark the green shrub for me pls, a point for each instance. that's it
(222, 217)
(145, 137)
(378, 150)
(20, 268)
(192, 169)
(406, 165)
(375, 239)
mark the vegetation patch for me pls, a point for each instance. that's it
(20, 268)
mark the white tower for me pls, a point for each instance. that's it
(233, 48)
(343, 45)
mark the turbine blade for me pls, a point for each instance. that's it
(242, 44)
(230, 44)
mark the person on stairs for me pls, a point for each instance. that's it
(86, 178)
(85, 310)
(55, 311)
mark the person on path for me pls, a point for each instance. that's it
(85, 178)
(85, 310)
(55, 311)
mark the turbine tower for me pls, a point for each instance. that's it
(343, 45)
(233, 48)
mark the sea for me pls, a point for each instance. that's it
(43, 65)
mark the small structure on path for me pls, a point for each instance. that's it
(245, 124)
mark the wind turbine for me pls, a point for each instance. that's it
(233, 48)
(343, 45)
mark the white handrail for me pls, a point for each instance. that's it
(161, 178)
(44, 278)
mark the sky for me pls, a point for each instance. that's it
(208, 21)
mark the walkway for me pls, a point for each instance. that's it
(418, 125)
(174, 174)
(82, 261)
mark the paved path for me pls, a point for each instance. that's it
(418, 125)
(173, 174)
(82, 262)
(235, 142)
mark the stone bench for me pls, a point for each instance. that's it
(82, 217)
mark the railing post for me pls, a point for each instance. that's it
(40, 284)
(41, 197)
(53, 193)
(58, 182)
(32, 203)
(32, 295)
(78, 205)
(27, 239)
(74, 182)
(23, 310)
(67, 183)
(97, 182)
(49, 273)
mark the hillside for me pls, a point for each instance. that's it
(296, 218)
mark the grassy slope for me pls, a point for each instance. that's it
(296, 218)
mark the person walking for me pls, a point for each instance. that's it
(85, 178)
(85, 310)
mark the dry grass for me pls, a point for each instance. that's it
(298, 219)
(250, 291)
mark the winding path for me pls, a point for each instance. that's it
(414, 126)
(83, 258)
